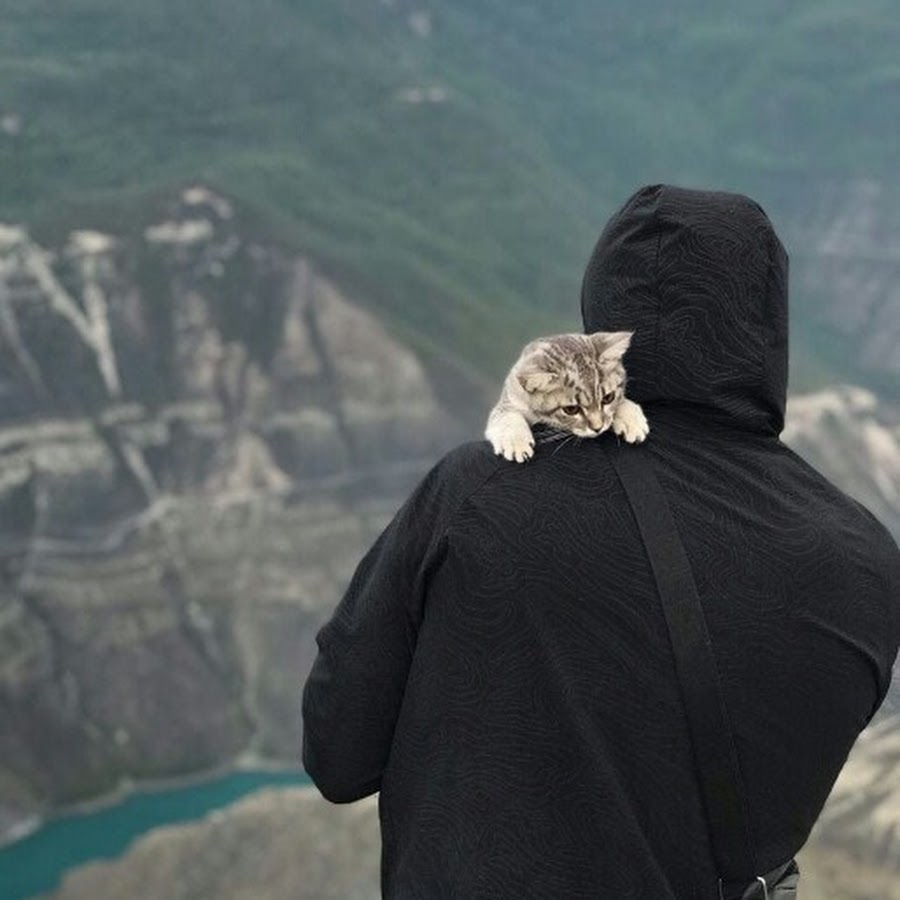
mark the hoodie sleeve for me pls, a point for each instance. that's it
(352, 697)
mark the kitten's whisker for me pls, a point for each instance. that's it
(554, 435)
(563, 444)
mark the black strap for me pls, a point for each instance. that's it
(711, 737)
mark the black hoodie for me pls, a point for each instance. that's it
(499, 667)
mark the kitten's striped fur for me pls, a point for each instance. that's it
(573, 382)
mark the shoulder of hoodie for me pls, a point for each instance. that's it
(473, 470)
(462, 472)
(877, 550)
(461, 475)
(886, 556)
(880, 538)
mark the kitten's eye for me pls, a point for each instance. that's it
(571, 410)
(608, 398)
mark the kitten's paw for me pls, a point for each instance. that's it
(514, 444)
(630, 422)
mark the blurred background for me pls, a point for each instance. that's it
(261, 263)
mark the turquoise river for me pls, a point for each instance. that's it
(35, 864)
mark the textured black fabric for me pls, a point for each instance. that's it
(500, 668)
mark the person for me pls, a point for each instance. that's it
(500, 668)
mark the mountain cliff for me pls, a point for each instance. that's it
(199, 436)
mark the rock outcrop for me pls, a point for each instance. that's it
(199, 436)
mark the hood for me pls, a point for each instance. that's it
(700, 277)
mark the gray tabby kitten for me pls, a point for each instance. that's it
(574, 382)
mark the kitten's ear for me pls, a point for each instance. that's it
(612, 344)
(534, 380)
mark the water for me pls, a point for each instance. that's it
(35, 864)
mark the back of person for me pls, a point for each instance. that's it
(542, 748)
(501, 667)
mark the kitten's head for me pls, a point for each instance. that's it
(575, 382)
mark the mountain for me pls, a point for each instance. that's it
(451, 164)
(199, 437)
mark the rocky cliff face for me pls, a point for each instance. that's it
(199, 436)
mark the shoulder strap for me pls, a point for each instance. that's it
(711, 736)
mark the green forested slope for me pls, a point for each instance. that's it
(464, 218)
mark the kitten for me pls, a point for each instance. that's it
(574, 382)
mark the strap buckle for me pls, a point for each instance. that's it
(760, 880)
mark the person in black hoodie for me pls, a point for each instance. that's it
(500, 669)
